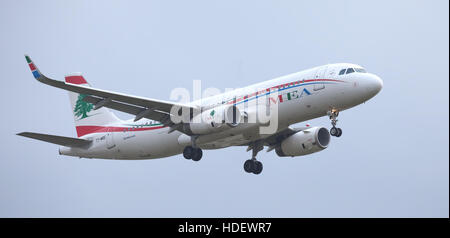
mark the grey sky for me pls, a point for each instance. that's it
(392, 160)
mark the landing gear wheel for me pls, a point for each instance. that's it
(248, 166)
(334, 131)
(257, 167)
(197, 154)
(187, 152)
(252, 165)
(339, 132)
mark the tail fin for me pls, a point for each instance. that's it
(86, 117)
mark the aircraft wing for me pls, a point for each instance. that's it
(154, 109)
(154, 114)
(59, 140)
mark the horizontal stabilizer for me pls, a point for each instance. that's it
(59, 140)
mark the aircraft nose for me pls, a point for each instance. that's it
(375, 85)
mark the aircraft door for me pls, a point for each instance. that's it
(320, 74)
(110, 139)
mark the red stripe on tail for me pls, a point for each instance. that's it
(75, 79)
(84, 130)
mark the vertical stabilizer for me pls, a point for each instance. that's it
(87, 119)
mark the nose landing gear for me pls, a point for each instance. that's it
(334, 131)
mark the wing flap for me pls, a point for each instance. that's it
(59, 140)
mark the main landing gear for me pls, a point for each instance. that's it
(192, 152)
(252, 165)
(334, 131)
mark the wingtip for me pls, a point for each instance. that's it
(34, 70)
(28, 59)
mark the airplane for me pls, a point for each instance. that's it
(163, 128)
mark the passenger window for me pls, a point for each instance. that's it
(342, 72)
(350, 70)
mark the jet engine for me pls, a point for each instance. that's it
(215, 120)
(304, 142)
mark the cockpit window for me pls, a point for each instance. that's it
(350, 70)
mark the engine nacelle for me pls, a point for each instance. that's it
(215, 120)
(304, 142)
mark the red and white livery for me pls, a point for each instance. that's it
(162, 128)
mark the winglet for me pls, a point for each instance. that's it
(36, 73)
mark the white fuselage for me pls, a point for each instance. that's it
(299, 97)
